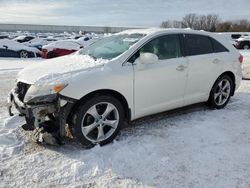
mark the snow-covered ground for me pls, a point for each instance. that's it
(191, 147)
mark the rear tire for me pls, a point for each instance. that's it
(221, 92)
(246, 46)
(51, 55)
(97, 121)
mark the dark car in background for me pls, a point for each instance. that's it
(10, 48)
(4, 37)
(22, 39)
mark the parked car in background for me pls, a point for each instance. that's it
(124, 77)
(243, 43)
(4, 37)
(65, 47)
(37, 43)
(10, 48)
(22, 39)
(87, 40)
(60, 48)
(232, 37)
(50, 39)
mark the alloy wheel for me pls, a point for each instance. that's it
(100, 122)
(246, 47)
(24, 54)
(222, 92)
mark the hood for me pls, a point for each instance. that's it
(58, 70)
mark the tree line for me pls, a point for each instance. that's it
(210, 22)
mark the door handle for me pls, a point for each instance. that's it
(181, 68)
(216, 61)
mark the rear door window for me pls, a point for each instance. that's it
(197, 45)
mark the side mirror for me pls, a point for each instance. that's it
(6, 47)
(148, 58)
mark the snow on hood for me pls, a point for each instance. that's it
(58, 70)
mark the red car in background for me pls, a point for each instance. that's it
(60, 48)
(65, 47)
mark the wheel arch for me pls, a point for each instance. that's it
(109, 92)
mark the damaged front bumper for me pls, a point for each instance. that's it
(43, 113)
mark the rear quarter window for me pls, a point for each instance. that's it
(218, 47)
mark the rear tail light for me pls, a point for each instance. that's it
(241, 59)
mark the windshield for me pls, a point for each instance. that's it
(112, 46)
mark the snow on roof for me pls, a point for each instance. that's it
(36, 41)
(159, 30)
(20, 37)
(63, 44)
(140, 31)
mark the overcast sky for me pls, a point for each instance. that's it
(116, 12)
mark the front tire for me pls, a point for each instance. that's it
(221, 92)
(23, 54)
(97, 121)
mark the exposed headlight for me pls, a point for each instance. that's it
(43, 99)
(43, 90)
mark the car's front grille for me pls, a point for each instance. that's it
(21, 90)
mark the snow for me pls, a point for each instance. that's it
(142, 31)
(14, 64)
(16, 46)
(84, 42)
(72, 44)
(191, 147)
(244, 38)
(63, 44)
(57, 70)
(36, 42)
(20, 37)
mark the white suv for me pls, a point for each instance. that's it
(123, 77)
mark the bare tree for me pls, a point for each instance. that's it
(241, 25)
(171, 24)
(166, 24)
(190, 21)
(201, 22)
(177, 24)
(224, 27)
(210, 22)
